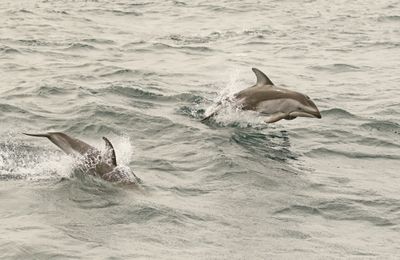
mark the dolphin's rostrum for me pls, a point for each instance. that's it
(274, 102)
(96, 163)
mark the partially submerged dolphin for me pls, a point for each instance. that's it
(95, 162)
(274, 102)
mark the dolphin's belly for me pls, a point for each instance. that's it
(269, 106)
(280, 105)
(103, 168)
(121, 175)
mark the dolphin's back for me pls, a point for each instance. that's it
(250, 98)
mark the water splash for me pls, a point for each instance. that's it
(124, 149)
(20, 161)
(228, 111)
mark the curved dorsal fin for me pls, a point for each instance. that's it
(110, 152)
(262, 79)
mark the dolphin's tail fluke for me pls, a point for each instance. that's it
(38, 135)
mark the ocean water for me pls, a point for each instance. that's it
(143, 73)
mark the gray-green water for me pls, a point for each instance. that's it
(143, 73)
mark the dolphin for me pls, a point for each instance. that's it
(103, 165)
(274, 102)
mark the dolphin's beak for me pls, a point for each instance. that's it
(317, 114)
(314, 113)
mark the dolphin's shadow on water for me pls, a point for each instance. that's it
(274, 145)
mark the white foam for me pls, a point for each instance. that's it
(17, 160)
(123, 149)
(229, 112)
(122, 146)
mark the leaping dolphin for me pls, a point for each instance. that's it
(275, 102)
(97, 163)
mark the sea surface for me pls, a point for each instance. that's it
(144, 73)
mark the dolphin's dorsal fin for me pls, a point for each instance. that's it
(110, 152)
(262, 79)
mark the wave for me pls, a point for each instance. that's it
(133, 44)
(124, 13)
(181, 39)
(337, 112)
(197, 113)
(8, 50)
(189, 191)
(99, 41)
(342, 209)
(47, 90)
(121, 72)
(220, 8)
(202, 49)
(80, 47)
(6, 108)
(215, 36)
(337, 68)
(383, 126)
(132, 92)
(389, 18)
(354, 155)
(388, 44)
(377, 141)
(33, 42)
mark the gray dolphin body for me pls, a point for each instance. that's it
(97, 163)
(274, 102)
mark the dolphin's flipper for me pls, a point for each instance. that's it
(262, 79)
(276, 117)
(110, 152)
